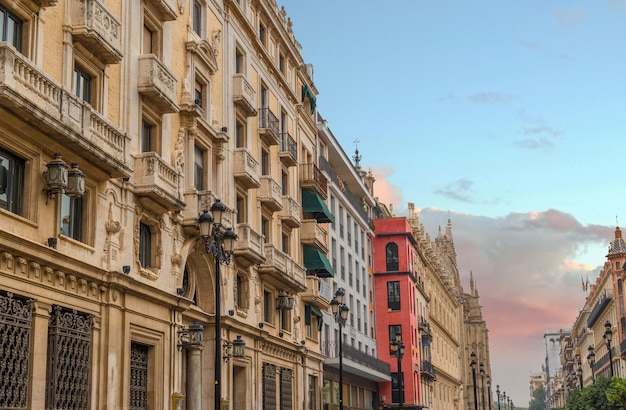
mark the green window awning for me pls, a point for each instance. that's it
(317, 264)
(316, 311)
(309, 311)
(314, 207)
(308, 93)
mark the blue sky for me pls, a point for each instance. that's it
(507, 117)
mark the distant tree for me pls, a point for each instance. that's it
(538, 401)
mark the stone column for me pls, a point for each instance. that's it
(194, 377)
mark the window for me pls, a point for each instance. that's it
(197, 17)
(285, 182)
(241, 291)
(264, 95)
(11, 182)
(268, 307)
(241, 209)
(313, 322)
(239, 62)
(148, 137)
(198, 168)
(281, 62)
(240, 134)
(265, 229)
(69, 364)
(393, 295)
(395, 387)
(71, 217)
(285, 319)
(82, 84)
(265, 162)
(393, 331)
(312, 393)
(145, 245)
(285, 242)
(391, 252)
(10, 28)
(139, 378)
(16, 317)
(198, 96)
(262, 33)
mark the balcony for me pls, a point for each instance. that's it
(424, 328)
(157, 84)
(318, 293)
(61, 119)
(313, 234)
(246, 168)
(167, 8)
(249, 245)
(244, 96)
(288, 152)
(270, 193)
(281, 271)
(268, 127)
(290, 214)
(97, 29)
(356, 362)
(312, 177)
(427, 370)
(158, 181)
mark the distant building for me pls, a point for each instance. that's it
(552, 341)
(537, 380)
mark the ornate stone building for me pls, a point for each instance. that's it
(165, 106)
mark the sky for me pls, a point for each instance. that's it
(509, 118)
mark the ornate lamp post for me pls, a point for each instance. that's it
(399, 355)
(579, 372)
(220, 244)
(473, 366)
(591, 359)
(340, 312)
(482, 383)
(498, 394)
(608, 336)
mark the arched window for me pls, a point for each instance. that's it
(392, 257)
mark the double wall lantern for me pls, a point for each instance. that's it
(61, 179)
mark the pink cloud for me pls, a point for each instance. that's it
(528, 270)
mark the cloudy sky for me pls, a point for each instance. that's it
(507, 117)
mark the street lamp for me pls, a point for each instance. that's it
(498, 394)
(399, 355)
(220, 245)
(473, 366)
(340, 312)
(591, 358)
(482, 383)
(608, 335)
(489, 391)
(579, 372)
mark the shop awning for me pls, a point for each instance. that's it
(308, 93)
(313, 206)
(317, 264)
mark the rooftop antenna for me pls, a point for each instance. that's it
(357, 157)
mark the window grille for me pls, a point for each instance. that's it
(138, 376)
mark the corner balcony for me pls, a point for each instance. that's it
(270, 194)
(312, 177)
(427, 370)
(313, 234)
(288, 152)
(290, 214)
(157, 84)
(60, 118)
(94, 26)
(318, 293)
(246, 168)
(158, 181)
(249, 245)
(268, 127)
(281, 271)
(244, 95)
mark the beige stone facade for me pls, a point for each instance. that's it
(166, 106)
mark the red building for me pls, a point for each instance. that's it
(396, 307)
